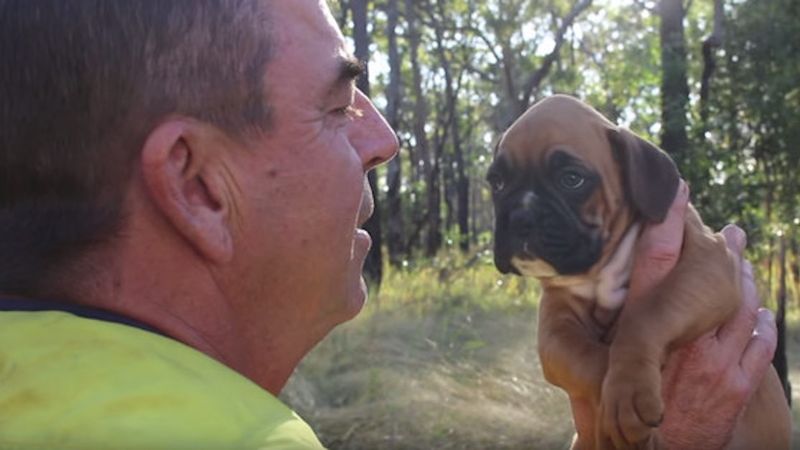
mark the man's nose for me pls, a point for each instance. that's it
(371, 135)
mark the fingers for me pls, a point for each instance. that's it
(751, 301)
(659, 247)
(759, 351)
(735, 334)
(735, 238)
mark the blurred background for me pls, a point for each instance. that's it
(444, 354)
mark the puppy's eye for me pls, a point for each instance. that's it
(571, 180)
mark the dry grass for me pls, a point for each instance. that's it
(469, 381)
(443, 358)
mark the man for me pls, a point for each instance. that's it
(181, 186)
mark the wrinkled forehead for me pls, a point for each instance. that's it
(304, 18)
(556, 124)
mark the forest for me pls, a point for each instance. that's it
(715, 83)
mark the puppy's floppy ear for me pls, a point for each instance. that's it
(651, 177)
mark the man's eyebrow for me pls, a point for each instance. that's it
(349, 70)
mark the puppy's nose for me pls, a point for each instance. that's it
(522, 223)
(528, 199)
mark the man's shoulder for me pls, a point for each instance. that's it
(80, 382)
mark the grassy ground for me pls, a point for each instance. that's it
(442, 358)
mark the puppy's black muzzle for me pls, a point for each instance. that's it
(545, 231)
(503, 264)
(513, 243)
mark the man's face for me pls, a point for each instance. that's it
(303, 191)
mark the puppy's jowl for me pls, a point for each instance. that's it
(571, 192)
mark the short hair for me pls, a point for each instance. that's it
(82, 83)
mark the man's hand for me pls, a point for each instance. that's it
(659, 248)
(707, 383)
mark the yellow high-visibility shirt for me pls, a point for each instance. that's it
(74, 383)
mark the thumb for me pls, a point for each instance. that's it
(659, 247)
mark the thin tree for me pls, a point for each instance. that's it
(710, 45)
(674, 84)
(395, 222)
(373, 265)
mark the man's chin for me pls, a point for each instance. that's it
(358, 299)
(357, 291)
(353, 302)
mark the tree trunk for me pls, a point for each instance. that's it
(474, 200)
(674, 85)
(432, 217)
(395, 224)
(779, 360)
(344, 9)
(795, 264)
(770, 238)
(461, 181)
(462, 195)
(373, 266)
(710, 46)
(433, 241)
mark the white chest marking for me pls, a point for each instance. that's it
(612, 281)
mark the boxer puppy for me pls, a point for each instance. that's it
(571, 192)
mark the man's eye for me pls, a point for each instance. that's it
(347, 111)
(571, 180)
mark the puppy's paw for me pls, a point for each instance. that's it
(631, 407)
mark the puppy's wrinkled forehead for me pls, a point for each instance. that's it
(557, 122)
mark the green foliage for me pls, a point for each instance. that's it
(752, 138)
(612, 37)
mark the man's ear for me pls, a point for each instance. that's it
(177, 169)
(651, 177)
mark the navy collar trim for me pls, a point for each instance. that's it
(9, 304)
